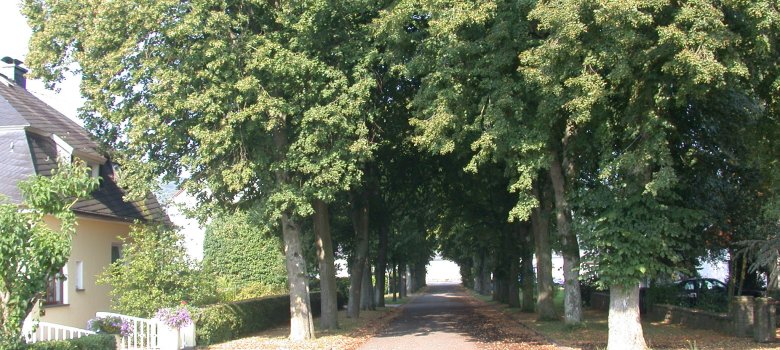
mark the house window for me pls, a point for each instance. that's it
(116, 252)
(79, 275)
(55, 290)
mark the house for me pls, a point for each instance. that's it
(32, 137)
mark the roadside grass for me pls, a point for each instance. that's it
(592, 333)
(350, 335)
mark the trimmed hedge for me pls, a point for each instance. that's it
(92, 342)
(222, 322)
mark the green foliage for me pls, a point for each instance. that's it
(91, 342)
(153, 273)
(624, 79)
(30, 250)
(223, 322)
(247, 260)
(196, 99)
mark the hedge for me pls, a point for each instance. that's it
(222, 322)
(91, 342)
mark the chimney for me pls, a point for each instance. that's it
(12, 69)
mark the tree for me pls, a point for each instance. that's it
(617, 79)
(471, 99)
(259, 103)
(31, 251)
(153, 273)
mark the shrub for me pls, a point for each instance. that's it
(154, 273)
(223, 322)
(246, 260)
(92, 342)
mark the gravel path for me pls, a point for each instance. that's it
(446, 317)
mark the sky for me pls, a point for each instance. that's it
(13, 43)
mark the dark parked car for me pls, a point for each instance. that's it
(704, 293)
(694, 291)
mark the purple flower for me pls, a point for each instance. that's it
(175, 317)
(110, 325)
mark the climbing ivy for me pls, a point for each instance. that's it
(243, 256)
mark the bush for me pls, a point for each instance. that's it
(229, 292)
(92, 342)
(223, 322)
(154, 273)
(246, 260)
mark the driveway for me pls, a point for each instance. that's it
(446, 317)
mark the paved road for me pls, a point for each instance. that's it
(442, 318)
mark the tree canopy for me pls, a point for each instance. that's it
(626, 128)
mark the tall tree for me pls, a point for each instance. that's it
(244, 98)
(617, 78)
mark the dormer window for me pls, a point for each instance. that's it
(64, 150)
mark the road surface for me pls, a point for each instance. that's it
(446, 317)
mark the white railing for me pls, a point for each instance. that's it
(143, 335)
(45, 331)
(152, 334)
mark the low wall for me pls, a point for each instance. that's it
(691, 318)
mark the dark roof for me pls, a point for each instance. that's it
(15, 162)
(29, 122)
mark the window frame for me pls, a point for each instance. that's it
(56, 285)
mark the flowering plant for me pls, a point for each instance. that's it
(110, 325)
(176, 317)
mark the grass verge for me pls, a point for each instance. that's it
(350, 335)
(592, 333)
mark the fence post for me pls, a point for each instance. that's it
(741, 310)
(168, 338)
(764, 317)
(188, 335)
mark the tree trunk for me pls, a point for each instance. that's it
(569, 246)
(513, 293)
(541, 229)
(526, 267)
(367, 301)
(381, 264)
(731, 279)
(419, 275)
(301, 323)
(479, 260)
(466, 274)
(510, 246)
(394, 284)
(408, 280)
(625, 329)
(360, 257)
(402, 292)
(329, 303)
(486, 288)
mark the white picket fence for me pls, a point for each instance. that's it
(153, 335)
(50, 331)
(146, 334)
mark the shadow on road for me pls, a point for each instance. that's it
(445, 317)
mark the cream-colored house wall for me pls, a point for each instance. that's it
(91, 245)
